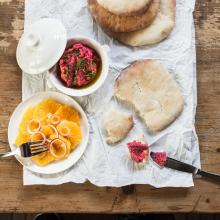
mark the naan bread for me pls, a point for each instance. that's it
(116, 23)
(117, 125)
(125, 7)
(150, 88)
(160, 28)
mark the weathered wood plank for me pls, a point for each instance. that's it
(204, 197)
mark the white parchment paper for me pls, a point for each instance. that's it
(105, 165)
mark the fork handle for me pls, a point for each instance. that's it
(7, 154)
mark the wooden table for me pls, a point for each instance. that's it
(204, 197)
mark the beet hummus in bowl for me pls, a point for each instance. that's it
(82, 69)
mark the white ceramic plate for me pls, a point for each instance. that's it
(57, 166)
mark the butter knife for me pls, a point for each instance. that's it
(184, 167)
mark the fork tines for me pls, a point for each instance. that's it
(37, 149)
(34, 148)
(34, 143)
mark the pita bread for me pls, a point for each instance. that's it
(150, 88)
(125, 7)
(160, 28)
(116, 23)
(117, 125)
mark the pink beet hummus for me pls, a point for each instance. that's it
(79, 66)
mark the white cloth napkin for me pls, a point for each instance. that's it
(105, 165)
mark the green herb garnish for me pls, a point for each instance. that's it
(91, 75)
(81, 63)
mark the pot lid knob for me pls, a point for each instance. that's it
(32, 40)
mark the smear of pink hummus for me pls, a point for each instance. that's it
(138, 151)
(159, 157)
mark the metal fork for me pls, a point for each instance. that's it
(28, 149)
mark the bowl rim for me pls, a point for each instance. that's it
(101, 50)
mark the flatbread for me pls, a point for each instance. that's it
(117, 125)
(116, 23)
(160, 28)
(151, 89)
(125, 7)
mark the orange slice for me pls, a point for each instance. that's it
(28, 115)
(22, 138)
(68, 113)
(38, 136)
(42, 155)
(58, 148)
(33, 126)
(44, 120)
(45, 107)
(44, 160)
(75, 136)
(48, 131)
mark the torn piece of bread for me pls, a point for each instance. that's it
(151, 90)
(117, 125)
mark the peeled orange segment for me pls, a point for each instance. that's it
(42, 155)
(68, 113)
(75, 136)
(58, 149)
(33, 126)
(38, 136)
(48, 131)
(44, 120)
(45, 107)
(43, 161)
(68, 145)
(28, 115)
(22, 138)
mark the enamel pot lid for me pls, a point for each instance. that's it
(41, 45)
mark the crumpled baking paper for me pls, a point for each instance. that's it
(105, 165)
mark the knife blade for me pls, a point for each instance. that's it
(183, 167)
(180, 166)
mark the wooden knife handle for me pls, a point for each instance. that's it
(213, 176)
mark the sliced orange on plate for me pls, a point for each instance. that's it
(43, 160)
(28, 115)
(67, 113)
(57, 125)
(23, 137)
(75, 136)
(33, 126)
(46, 106)
(48, 131)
